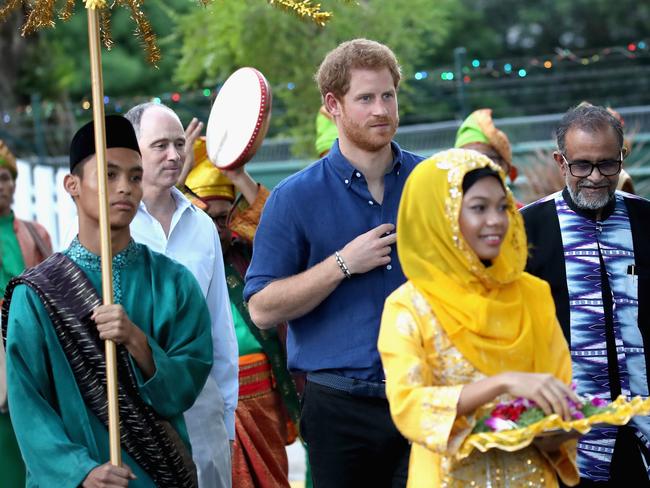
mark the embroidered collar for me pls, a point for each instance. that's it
(84, 258)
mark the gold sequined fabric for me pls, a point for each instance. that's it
(425, 374)
(245, 218)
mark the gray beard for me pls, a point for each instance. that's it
(593, 204)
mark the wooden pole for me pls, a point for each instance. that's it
(104, 228)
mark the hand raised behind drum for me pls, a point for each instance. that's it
(193, 132)
(246, 185)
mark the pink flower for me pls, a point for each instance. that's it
(497, 424)
(573, 405)
(524, 402)
(577, 415)
(598, 402)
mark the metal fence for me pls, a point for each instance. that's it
(428, 138)
(40, 194)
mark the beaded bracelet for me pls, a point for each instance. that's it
(342, 265)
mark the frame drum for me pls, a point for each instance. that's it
(239, 119)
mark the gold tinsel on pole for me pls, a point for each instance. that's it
(41, 14)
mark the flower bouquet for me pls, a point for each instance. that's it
(514, 425)
(522, 412)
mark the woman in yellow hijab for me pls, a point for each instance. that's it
(470, 327)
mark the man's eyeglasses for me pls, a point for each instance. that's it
(582, 169)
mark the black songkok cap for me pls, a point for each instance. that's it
(119, 133)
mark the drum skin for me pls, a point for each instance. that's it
(239, 119)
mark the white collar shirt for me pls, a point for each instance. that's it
(194, 242)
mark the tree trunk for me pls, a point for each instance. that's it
(12, 52)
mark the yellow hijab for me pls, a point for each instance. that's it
(499, 317)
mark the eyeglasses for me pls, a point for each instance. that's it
(582, 169)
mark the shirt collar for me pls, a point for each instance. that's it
(86, 259)
(182, 202)
(346, 171)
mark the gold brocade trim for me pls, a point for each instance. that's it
(244, 219)
(232, 282)
(255, 378)
(252, 360)
(254, 383)
(453, 203)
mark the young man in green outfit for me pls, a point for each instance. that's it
(54, 326)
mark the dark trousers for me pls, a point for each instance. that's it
(351, 440)
(627, 467)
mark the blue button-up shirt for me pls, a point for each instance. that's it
(308, 217)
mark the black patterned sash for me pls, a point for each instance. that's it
(69, 299)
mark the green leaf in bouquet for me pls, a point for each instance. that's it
(530, 416)
(588, 409)
(481, 425)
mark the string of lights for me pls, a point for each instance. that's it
(480, 72)
(522, 67)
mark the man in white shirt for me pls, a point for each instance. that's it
(168, 223)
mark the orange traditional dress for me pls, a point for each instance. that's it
(267, 410)
(456, 321)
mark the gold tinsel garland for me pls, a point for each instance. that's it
(41, 13)
(304, 9)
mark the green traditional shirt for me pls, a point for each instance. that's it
(246, 341)
(11, 258)
(60, 438)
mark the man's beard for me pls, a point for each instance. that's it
(594, 203)
(363, 136)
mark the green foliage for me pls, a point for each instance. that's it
(59, 61)
(530, 416)
(201, 46)
(481, 426)
(589, 410)
(231, 34)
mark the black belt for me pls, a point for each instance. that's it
(352, 386)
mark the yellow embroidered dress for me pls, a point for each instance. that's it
(456, 321)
